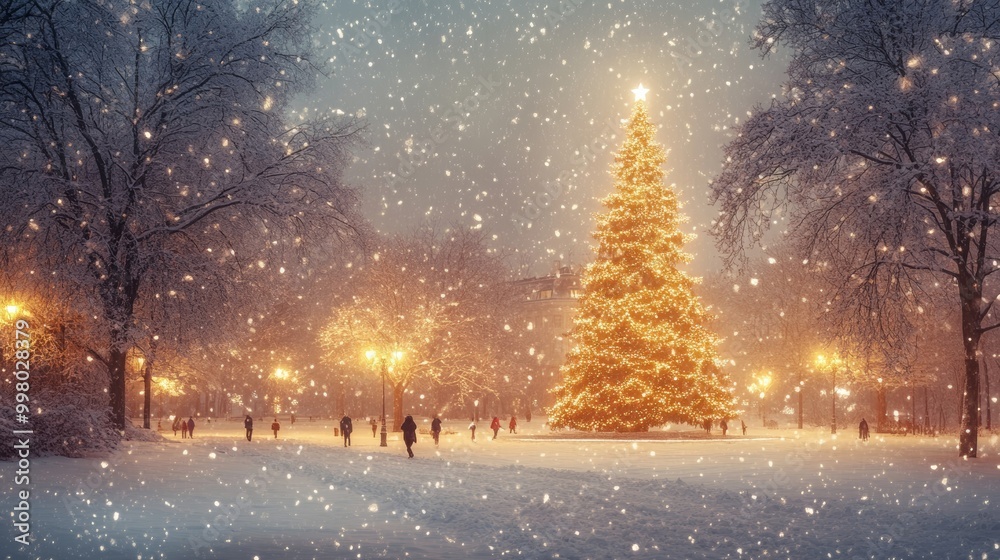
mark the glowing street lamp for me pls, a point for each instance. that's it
(761, 383)
(280, 376)
(374, 358)
(834, 364)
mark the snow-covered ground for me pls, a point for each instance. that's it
(783, 494)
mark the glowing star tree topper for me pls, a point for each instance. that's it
(640, 93)
(643, 355)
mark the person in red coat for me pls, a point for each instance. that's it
(495, 426)
(513, 425)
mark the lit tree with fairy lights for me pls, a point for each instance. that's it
(643, 356)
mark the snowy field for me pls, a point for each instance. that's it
(771, 494)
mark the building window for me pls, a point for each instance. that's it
(545, 294)
(575, 293)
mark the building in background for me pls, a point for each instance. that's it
(547, 310)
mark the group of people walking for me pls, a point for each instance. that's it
(496, 426)
(186, 427)
(248, 426)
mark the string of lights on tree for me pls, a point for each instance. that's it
(643, 356)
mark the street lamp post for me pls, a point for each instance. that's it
(375, 357)
(383, 434)
(834, 363)
(761, 384)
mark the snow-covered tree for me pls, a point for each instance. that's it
(441, 299)
(882, 154)
(149, 140)
(643, 355)
(770, 319)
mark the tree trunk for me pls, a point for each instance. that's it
(341, 406)
(116, 387)
(927, 412)
(397, 406)
(799, 391)
(968, 444)
(147, 385)
(881, 409)
(986, 379)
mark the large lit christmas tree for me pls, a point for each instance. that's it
(643, 356)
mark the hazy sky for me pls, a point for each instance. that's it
(475, 109)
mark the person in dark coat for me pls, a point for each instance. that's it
(472, 428)
(724, 425)
(409, 428)
(512, 425)
(436, 429)
(191, 427)
(495, 426)
(374, 427)
(346, 428)
(863, 430)
(275, 426)
(184, 429)
(248, 424)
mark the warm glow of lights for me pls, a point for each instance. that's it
(640, 93)
(170, 387)
(761, 383)
(662, 371)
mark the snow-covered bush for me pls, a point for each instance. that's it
(69, 416)
(135, 433)
(62, 427)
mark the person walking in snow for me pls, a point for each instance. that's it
(724, 425)
(184, 429)
(512, 425)
(248, 424)
(191, 427)
(495, 426)
(275, 426)
(346, 428)
(472, 428)
(374, 427)
(177, 425)
(409, 428)
(436, 429)
(863, 430)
